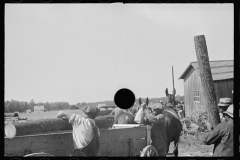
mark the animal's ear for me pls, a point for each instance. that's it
(166, 91)
(140, 100)
(147, 101)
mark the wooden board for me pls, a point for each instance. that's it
(123, 148)
(116, 126)
(37, 143)
(123, 134)
(113, 142)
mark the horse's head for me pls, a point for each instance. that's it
(170, 98)
(154, 109)
(142, 104)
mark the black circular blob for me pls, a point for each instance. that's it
(124, 98)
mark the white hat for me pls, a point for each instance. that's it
(229, 111)
(225, 102)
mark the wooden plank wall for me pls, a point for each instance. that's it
(223, 89)
(113, 142)
(192, 82)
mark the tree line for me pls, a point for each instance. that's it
(20, 106)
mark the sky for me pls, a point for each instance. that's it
(86, 52)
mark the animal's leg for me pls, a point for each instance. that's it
(168, 145)
(175, 152)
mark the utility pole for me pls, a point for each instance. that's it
(206, 79)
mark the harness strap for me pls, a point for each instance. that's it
(175, 115)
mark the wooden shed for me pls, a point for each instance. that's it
(222, 73)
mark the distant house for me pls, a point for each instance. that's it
(222, 74)
(28, 111)
(39, 109)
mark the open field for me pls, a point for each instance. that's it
(53, 114)
(189, 145)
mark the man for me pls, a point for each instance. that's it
(223, 105)
(116, 111)
(222, 136)
(180, 110)
(158, 129)
(85, 132)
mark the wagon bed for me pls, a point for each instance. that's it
(122, 140)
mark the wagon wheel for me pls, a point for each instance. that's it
(149, 151)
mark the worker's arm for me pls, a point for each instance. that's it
(214, 135)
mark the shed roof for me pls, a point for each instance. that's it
(221, 70)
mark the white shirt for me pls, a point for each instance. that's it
(82, 131)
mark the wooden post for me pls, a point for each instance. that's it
(206, 79)
(148, 134)
(174, 90)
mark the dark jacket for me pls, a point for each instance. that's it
(158, 132)
(222, 138)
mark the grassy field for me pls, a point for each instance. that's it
(53, 114)
(189, 145)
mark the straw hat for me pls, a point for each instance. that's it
(229, 111)
(225, 102)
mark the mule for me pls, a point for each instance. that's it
(133, 110)
(172, 122)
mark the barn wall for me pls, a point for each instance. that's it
(192, 82)
(223, 89)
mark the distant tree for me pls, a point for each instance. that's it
(32, 103)
(47, 106)
(73, 107)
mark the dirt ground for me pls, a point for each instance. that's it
(191, 146)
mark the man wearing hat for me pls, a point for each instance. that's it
(157, 122)
(85, 132)
(223, 105)
(222, 135)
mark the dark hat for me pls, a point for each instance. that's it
(157, 106)
(225, 102)
(91, 111)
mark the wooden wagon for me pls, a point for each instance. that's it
(121, 140)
